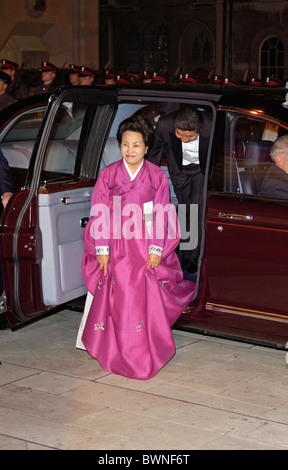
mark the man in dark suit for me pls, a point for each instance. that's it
(183, 138)
(275, 183)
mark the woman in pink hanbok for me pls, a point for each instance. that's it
(135, 284)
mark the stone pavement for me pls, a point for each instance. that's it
(214, 394)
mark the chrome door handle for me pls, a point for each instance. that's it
(228, 215)
(75, 200)
(84, 222)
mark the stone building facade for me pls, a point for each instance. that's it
(234, 38)
(60, 31)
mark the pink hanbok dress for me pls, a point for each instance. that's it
(130, 311)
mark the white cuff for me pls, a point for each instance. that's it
(102, 250)
(155, 250)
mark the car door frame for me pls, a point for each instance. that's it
(20, 237)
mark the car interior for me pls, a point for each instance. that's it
(249, 154)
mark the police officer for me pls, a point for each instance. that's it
(123, 80)
(16, 89)
(5, 99)
(147, 76)
(86, 76)
(48, 78)
(110, 77)
(159, 78)
(74, 74)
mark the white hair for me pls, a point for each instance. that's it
(280, 146)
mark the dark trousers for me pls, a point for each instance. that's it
(188, 186)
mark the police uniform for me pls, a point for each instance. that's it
(256, 82)
(159, 78)
(5, 99)
(273, 81)
(16, 89)
(123, 80)
(188, 78)
(86, 72)
(147, 76)
(46, 67)
(217, 80)
(110, 77)
(74, 70)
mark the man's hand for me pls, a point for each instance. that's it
(5, 198)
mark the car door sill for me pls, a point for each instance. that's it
(217, 308)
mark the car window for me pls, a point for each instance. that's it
(26, 127)
(246, 152)
(18, 142)
(61, 151)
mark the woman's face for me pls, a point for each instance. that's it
(133, 149)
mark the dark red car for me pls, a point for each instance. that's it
(56, 145)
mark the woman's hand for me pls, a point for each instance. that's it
(103, 261)
(153, 261)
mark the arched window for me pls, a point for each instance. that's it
(272, 58)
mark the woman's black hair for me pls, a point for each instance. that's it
(137, 124)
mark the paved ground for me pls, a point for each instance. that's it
(214, 394)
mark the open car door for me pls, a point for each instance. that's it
(42, 226)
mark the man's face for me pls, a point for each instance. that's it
(47, 77)
(74, 79)
(281, 160)
(86, 80)
(10, 72)
(110, 81)
(3, 87)
(186, 136)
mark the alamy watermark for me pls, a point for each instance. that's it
(159, 222)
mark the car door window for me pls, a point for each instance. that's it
(18, 143)
(61, 151)
(247, 144)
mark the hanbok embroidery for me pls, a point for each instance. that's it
(140, 324)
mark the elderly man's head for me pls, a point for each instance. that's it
(279, 152)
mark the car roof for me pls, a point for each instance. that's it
(269, 100)
(40, 100)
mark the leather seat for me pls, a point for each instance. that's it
(256, 162)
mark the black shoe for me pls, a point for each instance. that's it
(190, 265)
